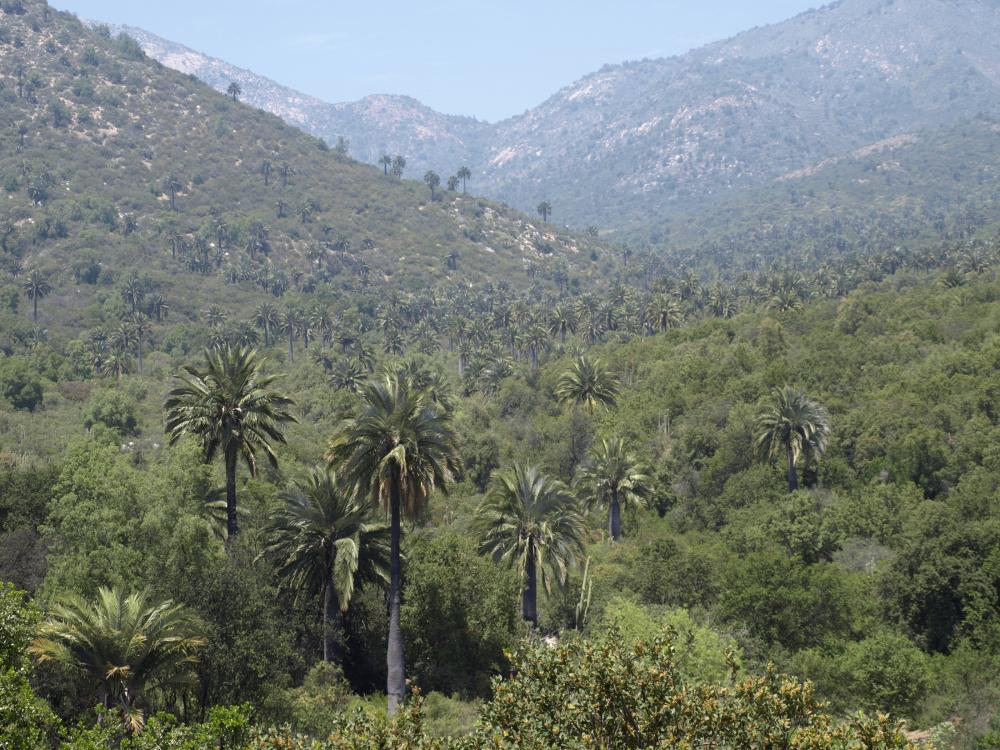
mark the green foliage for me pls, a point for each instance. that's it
(458, 615)
(19, 383)
(113, 409)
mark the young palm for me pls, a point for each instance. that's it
(795, 424)
(397, 450)
(587, 384)
(124, 644)
(614, 477)
(229, 406)
(535, 524)
(327, 545)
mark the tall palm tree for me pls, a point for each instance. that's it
(795, 424)
(533, 523)
(290, 322)
(562, 321)
(326, 544)
(140, 329)
(614, 477)
(463, 174)
(172, 186)
(587, 383)
(432, 180)
(134, 291)
(229, 406)
(265, 169)
(266, 318)
(544, 210)
(397, 450)
(124, 644)
(347, 375)
(37, 287)
(234, 90)
(385, 161)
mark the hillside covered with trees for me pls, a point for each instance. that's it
(506, 488)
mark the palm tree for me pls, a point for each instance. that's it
(140, 328)
(172, 186)
(397, 450)
(287, 171)
(398, 165)
(229, 406)
(385, 161)
(124, 644)
(615, 477)
(562, 321)
(158, 307)
(347, 375)
(266, 318)
(234, 90)
(795, 424)
(133, 292)
(290, 323)
(326, 545)
(265, 169)
(37, 287)
(587, 384)
(544, 210)
(663, 313)
(533, 523)
(463, 174)
(432, 180)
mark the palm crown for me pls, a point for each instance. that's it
(588, 384)
(229, 406)
(124, 643)
(795, 424)
(326, 543)
(614, 477)
(533, 523)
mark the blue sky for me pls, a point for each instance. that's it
(486, 59)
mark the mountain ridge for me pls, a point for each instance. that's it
(648, 137)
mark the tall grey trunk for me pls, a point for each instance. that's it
(793, 479)
(615, 518)
(333, 621)
(291, 348)
(529, 592)
(395, 667)
(138, 352)
(231, 526)
(34, 311)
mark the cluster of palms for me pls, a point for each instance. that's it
(327, 541)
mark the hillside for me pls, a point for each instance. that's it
(660, 136)
(96, 137)
(375, 125)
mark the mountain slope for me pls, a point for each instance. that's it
(643, 138)
(375, 125)
(92, 129)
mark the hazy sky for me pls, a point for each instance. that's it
(486, 59)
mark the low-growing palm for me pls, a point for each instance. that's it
(615, 477)
(588, 384)
(229, 406)
(124, 644)
(326, 544)
(397, 450)
(532, 523)
(794, 424)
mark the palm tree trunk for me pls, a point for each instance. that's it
(138, 352)
(395, 667)
(291, 348)
(231, 527)
(34, 312)
(333, 620)
(529, 592)
(793, 479)
(615, 518)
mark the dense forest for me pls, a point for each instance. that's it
(403, 468)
